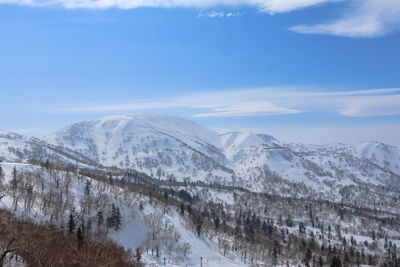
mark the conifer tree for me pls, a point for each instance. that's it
(87, 188)
(71, 223)
(100, 219)
(117, 219)
(138, 255)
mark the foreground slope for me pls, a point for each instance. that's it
(48, 196)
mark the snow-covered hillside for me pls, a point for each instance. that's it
(52, 196)
(18, 148)
(165, 147)
(384, 155)
(173, 148)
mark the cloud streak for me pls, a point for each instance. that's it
(249, 109)
(270, 6)
(218, 14)
(364, 18)
(373, 106)
(269, 101)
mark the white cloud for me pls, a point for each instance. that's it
(366, 18)
(271, 6)
(213, 14)
(218, 14)
(249, 109)
(263, 102)
(278, 6)
(373, 106)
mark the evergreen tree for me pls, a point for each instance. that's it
(198, 227)
(117, 219)
(138, 255)
(87, 188)
(110, 218)
(71, 223)
(216, 222)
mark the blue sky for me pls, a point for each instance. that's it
(313, 71)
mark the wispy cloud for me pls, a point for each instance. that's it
(365, 18)
(263, 102)
(249, 109)
(218, 14)
(372, 106)
(271, 6)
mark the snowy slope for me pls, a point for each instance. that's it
(135, 230)
(355, 162)
(165, 147)
(18, 148)
(384, 155)
(235, 143)
(169, 147)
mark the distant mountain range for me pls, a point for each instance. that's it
(173, 148)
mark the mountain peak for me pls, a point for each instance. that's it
(146, 142)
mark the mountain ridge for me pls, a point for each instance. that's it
(173, 148)
(183, 150)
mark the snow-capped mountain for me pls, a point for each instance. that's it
(165, 147)
(357, 180)
(169, 147)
